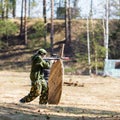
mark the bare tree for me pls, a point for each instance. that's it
(107, 28)
(93, 37)
(2, 8)
(6, 7)
(14, 8)
(115, 8)
(23, 25)
(21, 20)
(52, 26)
(88, 46)
(66, 21)
(69, 22)
(45, 19)
(25, 22)
(29, 8)
(106, 34)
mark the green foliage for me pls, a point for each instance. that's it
(97, 49)
(70, 70)
(2, 45)
(32, 44)
(33, 4)
(100, 51)
(114, 39)
(45, 45)
(81, 57)
(38, 30)
(7, 28)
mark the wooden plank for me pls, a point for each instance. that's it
(55, 82)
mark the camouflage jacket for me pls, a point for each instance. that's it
(37, 67)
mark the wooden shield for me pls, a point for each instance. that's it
(55, 82)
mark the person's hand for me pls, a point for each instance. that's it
(53, 61)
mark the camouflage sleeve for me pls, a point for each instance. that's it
(44, 64)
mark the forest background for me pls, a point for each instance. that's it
(83, 35)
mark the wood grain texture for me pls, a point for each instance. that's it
(55, 82)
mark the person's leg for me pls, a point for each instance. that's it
(34, 92)
(44, 93)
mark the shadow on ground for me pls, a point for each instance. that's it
(12, 111)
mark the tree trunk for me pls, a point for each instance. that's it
(25, 21)
(52, 26)
(69, 23)
(104, 30)
(7, 9)
(88, 46)
(2, 7)
(14, 8)
(29, 6)
(45, 20)
(107, 28)
(95, 47)
(93, 38)
(21, 25)
(119, 10)
(66, 21)
(106, 35)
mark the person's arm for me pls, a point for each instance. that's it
(44, 64)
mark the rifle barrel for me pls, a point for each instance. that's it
(53, 58)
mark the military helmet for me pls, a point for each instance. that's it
(42, 51)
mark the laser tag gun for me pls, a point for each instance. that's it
(52, 60)
(55, 57)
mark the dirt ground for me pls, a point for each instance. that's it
(93, 98)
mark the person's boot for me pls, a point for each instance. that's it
(22, 100)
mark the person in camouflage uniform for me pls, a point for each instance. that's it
(38, 83)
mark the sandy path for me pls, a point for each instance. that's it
(98, 98)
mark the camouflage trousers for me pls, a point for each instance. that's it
(38, 88)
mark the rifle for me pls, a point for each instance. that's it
(56, 58)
